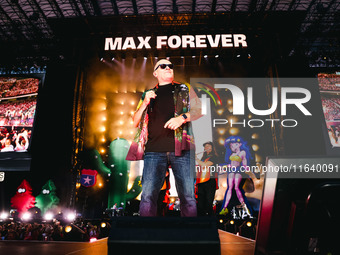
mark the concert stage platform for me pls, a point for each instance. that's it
(53, 248)
(235, 245)
(230, 244)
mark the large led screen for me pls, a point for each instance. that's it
(18, 100)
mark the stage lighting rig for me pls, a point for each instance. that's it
(48, 216)
(71, 216)
(26, 216)
(3, 216)
(68, 229)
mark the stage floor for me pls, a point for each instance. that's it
(230, 244)
(235, 245)
(53, 248)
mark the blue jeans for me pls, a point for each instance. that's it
(155, 167)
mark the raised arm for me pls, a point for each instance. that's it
(143, 104)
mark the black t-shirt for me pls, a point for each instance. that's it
(214, 159)
(161, 139)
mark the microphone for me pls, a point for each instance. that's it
(152, 103)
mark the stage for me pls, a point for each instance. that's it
(53, 248)
(236, 245)
(230, 244)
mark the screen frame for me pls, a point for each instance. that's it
(21, 161)
(330, 150)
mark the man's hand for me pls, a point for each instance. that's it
(138, 114)
(174, 123)
(150, 94)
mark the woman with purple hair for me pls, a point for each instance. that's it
(237, 158)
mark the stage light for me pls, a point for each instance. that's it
(48, 216)
(230, 101)
(71, 216)
(133, 102)
(231, 222)
(121, 122)
(103, 225)
(104, 118)
(258, 158)
(122, 103)
(102, 151)
(113, 59)
(205, 56)
(216, 56)
(26, 216)
(249, 224)
(121, 113)
(3, 215)
(103, 140)
(221, 220)
(233, 131)
(100, 184)
(255, 147)
(145, 58)
(221, 141)
(103, 129)
(254, 136)
(182, 56)
(101, 59)
(238, 56)
(221, 131)
(93, 239)
(220, 111)
(193, 56)
(232, 119)
(249, 56)
(68, 229)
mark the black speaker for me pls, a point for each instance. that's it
(161, 235)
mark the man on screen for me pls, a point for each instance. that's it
(163, 118)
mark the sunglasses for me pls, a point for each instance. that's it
(163, 66)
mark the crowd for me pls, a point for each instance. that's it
(54, 231)
(12, 87)
(329, 82)
(14, 139)
(331, 108)
(18, 112)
